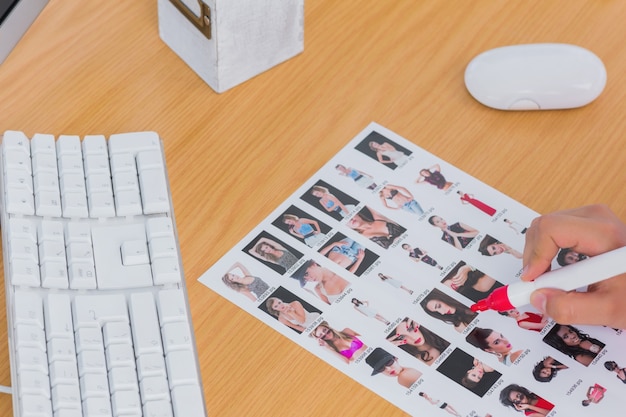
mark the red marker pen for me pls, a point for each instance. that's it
(570, 277)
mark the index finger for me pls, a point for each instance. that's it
(589, 230)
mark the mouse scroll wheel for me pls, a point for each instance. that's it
(524, 104)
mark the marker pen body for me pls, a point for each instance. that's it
(570, 277)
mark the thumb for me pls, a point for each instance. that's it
(571, 307)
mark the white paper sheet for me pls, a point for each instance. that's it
(377, 219)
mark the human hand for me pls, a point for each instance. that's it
(591, 230)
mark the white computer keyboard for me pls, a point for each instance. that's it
(98, 317)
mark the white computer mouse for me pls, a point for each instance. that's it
(539, 76)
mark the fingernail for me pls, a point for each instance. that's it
(538, 300)
(524, 271)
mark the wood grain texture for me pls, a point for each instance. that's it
(100, 67)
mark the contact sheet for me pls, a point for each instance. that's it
(372, 264)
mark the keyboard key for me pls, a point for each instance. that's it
(61, 350)
(95, 145)
(150, 364)
(36, 406)
(120, 355)
(145, 322)
(63, 372)
(50, 230)
(28, 308)
(25, 272)
(154, 192)
(77, 233)
(166, 271)
(16, 140)
(32, 359)
(34, 383)
(97, 407)
(66, 396)
(92, 362)
(94, 385)
(23, 249)
(58, 317)
(134, 142)
(89, 338)
(54, 274)
(172, 306)
(176, 336)
(68, 145)
(187, 401)
(22, 228)
(82, 275)
(20, 180)
(116, 333)
(126, 403)
(43, 144)
(181, 368)
(159, 227)
(154, 388)
(27, 335)
(95, 310)
(19, 201)
(158, 409)
(123, 379)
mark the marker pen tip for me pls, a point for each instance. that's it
(481, 305)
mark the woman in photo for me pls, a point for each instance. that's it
(518, 228)
(567, 256)
(469, 199)
(291, 314)
(386, 153)
(620, 373)
(346, 253)
(448, 310)
(595, 394)
(475, 374)
(383, 362)
(418, 341)
(239, 279)
(546, 369)
(376, 227)
(495, 343)
(521, 399)
(418, 255)
(457, 234)
(308, 230)
(437, 403)
(395, 197)
(271, 251)
(433, 177)
(329, 202)
(574, 343)
(364, 308)
(470, 282)
(359, 177)
(394, 282)
(345, 343)
(327, 285)
(527, 320)
(491, 246)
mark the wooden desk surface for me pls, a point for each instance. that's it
(100, 67)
